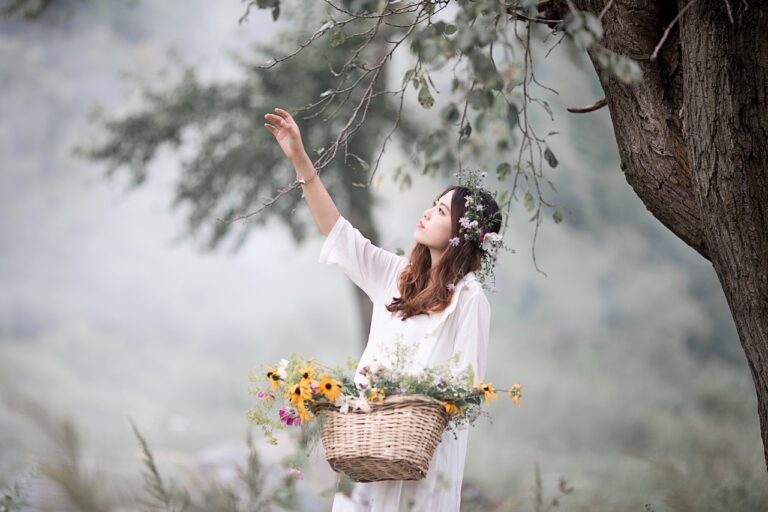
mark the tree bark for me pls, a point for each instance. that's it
(725, 126)
(693, 141)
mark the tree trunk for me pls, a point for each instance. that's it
(693, 141)
(725, 125)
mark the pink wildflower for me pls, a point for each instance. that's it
(289, 416)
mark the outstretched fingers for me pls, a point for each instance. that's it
(284, 113)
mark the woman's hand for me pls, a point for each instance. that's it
(287, 134)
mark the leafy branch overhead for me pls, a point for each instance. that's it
(489, 45)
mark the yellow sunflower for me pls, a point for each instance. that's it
(330, 388)
(307, 372)
(515, 393)
(303, 413)
(274, 377)
(450, 408)
(488, 391)
(298, 393)
(377, 394)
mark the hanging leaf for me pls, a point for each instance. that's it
(550, 157)
(407, 76)
(425, 98)
(337, 38)
(512, 116)
(557, 217)
(503, 170)
(450, 113)
(528, 201)
(552, 186)
(466, 130)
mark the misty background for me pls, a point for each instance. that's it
(635, 387)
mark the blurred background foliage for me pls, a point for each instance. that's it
(118, 307)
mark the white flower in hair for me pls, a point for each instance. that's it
(490, 239)
(476, 224)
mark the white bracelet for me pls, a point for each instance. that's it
(303, 181)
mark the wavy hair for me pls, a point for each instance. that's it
(417, 295)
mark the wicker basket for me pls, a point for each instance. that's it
(394, 441)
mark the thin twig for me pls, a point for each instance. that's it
(605, 9)
(730, 15)
(666, 32)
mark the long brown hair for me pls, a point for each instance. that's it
(417, 295)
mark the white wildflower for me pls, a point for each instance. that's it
(362, 382)
(375, 367)
(281, 369)
(361, 403)
(343, 403)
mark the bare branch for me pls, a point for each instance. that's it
(589, 108)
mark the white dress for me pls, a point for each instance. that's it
(462, 327)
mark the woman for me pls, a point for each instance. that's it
(432, 300)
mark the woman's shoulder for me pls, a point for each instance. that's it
(472, 291)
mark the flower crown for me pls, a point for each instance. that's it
(475, 224)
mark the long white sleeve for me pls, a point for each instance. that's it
(473, 333)
(368, 266)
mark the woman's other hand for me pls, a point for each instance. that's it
(287, 133)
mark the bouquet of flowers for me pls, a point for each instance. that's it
(303, 385)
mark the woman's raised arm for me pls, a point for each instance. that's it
(287, 134)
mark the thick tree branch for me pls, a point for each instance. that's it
(646, 117)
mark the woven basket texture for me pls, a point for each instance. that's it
(394, 441)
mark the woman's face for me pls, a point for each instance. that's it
(434, 229)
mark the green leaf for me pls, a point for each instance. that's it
(465, 39)
(450, 113)
(503, 170)
(425, 98)
(466, 130)
(557, 217)
(363, 164)
(407, 76)
(550, 157)
(528, 201)
(406, 181)
(399, 251)
(450, 28)
(337, 38)
(551, 186)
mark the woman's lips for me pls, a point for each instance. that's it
(420, 225)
